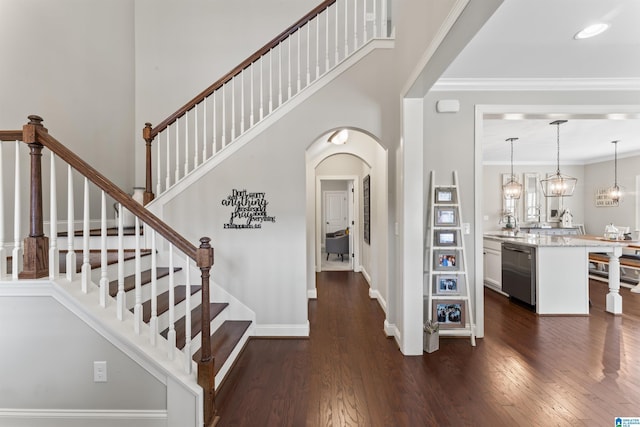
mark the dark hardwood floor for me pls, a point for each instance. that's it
(527, 370)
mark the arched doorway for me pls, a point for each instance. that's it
(371, 257)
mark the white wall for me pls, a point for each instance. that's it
(47, 363)
(72, 63)
(184, 46)
(601, 175)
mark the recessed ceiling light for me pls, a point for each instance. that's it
(591, 31)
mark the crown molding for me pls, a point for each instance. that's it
(538, 84)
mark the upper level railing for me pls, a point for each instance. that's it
(39, 255)
(258, 86)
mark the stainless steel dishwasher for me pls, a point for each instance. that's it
(519, 272)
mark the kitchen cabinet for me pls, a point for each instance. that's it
(493, 264)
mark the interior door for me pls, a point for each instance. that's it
(335, 211)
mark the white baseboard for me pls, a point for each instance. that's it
(81, 417)
(312, 294)
(282, 330)
(392, 331)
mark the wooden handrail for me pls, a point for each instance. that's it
(244, 64)
(111, 189)
(10, 135)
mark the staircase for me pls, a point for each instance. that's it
(228, 334)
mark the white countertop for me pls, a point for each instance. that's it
(537, 240)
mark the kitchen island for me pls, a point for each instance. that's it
(562, 271)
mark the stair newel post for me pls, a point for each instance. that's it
(148, 190)
(206, 372)
(36, 245)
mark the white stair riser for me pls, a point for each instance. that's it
(129, 269)
(180, 311)
(162, 285)
(196, 341)
(95, 242)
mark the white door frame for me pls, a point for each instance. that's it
(554, 112)
(354, 219)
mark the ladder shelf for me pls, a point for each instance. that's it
(446, 287)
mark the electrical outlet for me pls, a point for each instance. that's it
(99, 371)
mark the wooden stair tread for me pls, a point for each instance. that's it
(179, 295)
(224, 341)
(215, 308)
(111, 231)
(130, 281)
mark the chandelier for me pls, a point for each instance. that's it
(512, 189)
(558, 185)
(614, 192)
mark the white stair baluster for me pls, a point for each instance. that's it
(299, 59)
(120, 298)
(364, 21)
(104, 279)
(233, 108)
(186, 143)
(177, 150)
(271, 80)
(171, 336)
(168, 181)
(326, 41)
(374, 31)
(289, 77)
(223, 123)
(187, 319)
(16, 256)
(383, 18)
(3, 252)
(279, 74)
(317, 20)
(71, 255)
(86, 265)
(137, 308)
(355, 25)
(196, 145)
(337, 37)
(242, 102)
(204, 130)
(54, 253)
(261, 88)
(159, 164)
(346, 29)
(253, 66)
(214, 150)
(153, 321)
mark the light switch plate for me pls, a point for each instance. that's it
(100, 371)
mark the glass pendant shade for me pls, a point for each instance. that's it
(615, 193)
(558, 185)
(512, 189)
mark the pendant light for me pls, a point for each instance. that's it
(512, 189)
(558, 185)
(614, 192)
